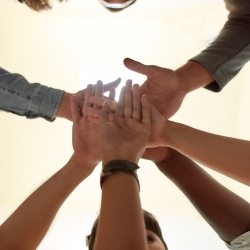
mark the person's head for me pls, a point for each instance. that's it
(154, 234)
(116, 5)
(112, 5)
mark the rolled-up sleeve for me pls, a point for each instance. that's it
(230, 51)
(32, 100)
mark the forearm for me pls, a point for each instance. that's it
(226, 155)
(64, 108)
(121, 224)
(27, 226)
(34, 100)
(193, 75)
(227, 213)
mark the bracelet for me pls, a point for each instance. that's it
(116, 166)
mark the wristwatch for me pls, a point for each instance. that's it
(115, 166)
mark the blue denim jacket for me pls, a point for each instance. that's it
(34, 100)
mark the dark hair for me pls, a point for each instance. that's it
(117, 10)
(151, 224)
(38, 5)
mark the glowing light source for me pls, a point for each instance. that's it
(90, 74)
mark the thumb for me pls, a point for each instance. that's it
(110, 85)
(137, 66)
(104, 113)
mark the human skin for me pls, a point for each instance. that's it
(226, 212)
(229, 156)
(166, 88)
(27, 226)
(124, 138)
(154, 242)
(64, 109)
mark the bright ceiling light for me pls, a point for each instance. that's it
(90, 74)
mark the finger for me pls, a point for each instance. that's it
(128, 108)
(136, 103)
(137, 66)
(146, 117)
(88, 94)
(112, 94)
(94, 119)
(100, 101)
(90, 111)
(119, 112)
(98, 93)
(104, 113)
(74, 109)
(110, 85)
(111, 116)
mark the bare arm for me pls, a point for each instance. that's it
(227, 213)
(121, 224)
(27, 226)
(226, 155)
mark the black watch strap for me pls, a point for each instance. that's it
(115, 166)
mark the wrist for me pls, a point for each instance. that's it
(193, 75)
(78, 169)
(119, 156)
(163, 164)
(168, 134)
(64, 109)
(83, 163)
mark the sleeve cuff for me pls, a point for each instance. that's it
(242, 242)
(45, 103)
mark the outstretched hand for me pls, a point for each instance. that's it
(85, 133)
(125, 137)
(64, 109)
(162, 87)
(159, 125)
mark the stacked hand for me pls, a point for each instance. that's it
(126, 136)
(85, 133)
(158, 122)
(162, 87)
(64, 109)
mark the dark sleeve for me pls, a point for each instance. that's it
(230, 51)
(34, 100)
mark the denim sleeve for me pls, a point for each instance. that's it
(230, 51)
(34, 100)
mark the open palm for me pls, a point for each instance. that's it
(162, 87)
(126, 136)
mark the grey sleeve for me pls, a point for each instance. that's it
(241, 243)
(34, 100)
(230, 51)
